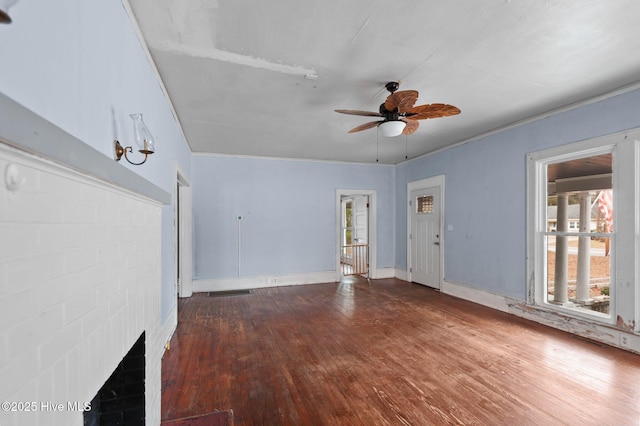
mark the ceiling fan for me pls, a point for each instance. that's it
(399, 114)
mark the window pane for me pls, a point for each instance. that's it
(579, 211)
(424, 204)
(592, 296)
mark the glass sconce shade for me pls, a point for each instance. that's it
(144, 140)
(392, 128)
(4, 10)
(142, 135)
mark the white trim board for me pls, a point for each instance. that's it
(266, 281)
(382, 273)
(263, 281)
(184, 228)
(24, 130)
(401, 274)
(169, 328)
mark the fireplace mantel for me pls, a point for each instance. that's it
(27, 131)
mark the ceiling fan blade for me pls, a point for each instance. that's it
(403, 100)
(411, 127)
(422, 112)
(358, 112)
(365, 126)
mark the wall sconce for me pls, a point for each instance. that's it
(4, 10)
(143, 139)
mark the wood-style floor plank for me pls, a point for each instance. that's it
(387, 352)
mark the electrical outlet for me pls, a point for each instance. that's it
(275, 280)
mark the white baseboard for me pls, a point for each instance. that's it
(481, 297)
(402, 274)
(169, 327)
(382, 273)
(245, 283)
(588, 329)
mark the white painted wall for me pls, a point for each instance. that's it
(289, 215)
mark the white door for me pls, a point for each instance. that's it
(425, 236)
(361, 235)
(361, 219)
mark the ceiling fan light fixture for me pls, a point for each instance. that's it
(392, 128)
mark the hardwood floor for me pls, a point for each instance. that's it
(387, 352)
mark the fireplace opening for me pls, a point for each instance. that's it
(121, 400)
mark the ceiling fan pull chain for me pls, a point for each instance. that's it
(377, 145)
(406, 145)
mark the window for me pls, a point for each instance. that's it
(575, 223)
(603, 175)
(424, 204)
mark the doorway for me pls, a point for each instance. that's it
(355, 236)
(354, 224)
(424, 236)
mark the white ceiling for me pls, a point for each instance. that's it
(235, 69)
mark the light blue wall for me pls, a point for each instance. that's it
(79, 64)
(289, 211)
(485, 184)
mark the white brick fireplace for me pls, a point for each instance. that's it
(79, 284)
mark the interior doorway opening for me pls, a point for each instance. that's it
(355, 219)
(354, 225)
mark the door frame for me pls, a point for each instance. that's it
(371, 227)
(435, 181)
(183, 225)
